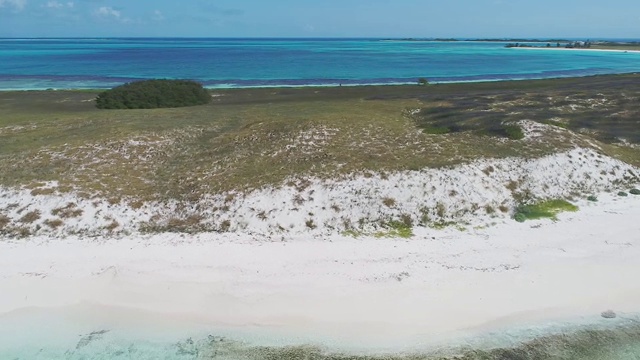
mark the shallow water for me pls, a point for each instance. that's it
(53, 335)
(104, 63)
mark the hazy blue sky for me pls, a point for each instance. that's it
(321, 18)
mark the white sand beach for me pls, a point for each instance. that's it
(367, 293)
(576, 49)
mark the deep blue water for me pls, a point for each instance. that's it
(103, 63)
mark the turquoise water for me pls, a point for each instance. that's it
(103, 63)
(83, 335)
(621, 343)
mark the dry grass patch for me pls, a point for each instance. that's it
(310, 224)
(54, 224)
(189, 224)
(41, 191)
(512, 185)
(21, 231)
(488, 170)
(68, 211)
(389, 202)
(30, 217)
(4, 221)
(225, 226)
(136, 205)
(112, 226)
(189, 221)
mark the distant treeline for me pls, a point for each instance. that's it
(570, 45)
(563, 42)
(152, 94)
(485, 40)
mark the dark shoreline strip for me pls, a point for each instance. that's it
(101, 83)
(615, 343)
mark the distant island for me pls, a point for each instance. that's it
(542, 43)
(483, 40)
(586, 45)
(570, 45)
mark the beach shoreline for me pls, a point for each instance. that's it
(376, 294)
(408, 83)
(575, 49)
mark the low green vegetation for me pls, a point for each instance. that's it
(444, 120)
(352, 233)
(634, 192)
(392, 229)
(441, 225)
(509, 131)
(543, 210)
(592, 198)
(555, 123)
(603, 107)
(154, 94)
(623, 194)
(396, 229)
(249, 138)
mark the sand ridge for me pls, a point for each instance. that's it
(477, 194)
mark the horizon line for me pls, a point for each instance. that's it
(323, 37)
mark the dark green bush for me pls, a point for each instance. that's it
(634, 192)
(152, 94)
(622, 193)
(509, 131)
(513, 132)
(592, 198)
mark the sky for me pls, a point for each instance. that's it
(321, 18)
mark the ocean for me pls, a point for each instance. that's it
(31, 64)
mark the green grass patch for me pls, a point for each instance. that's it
(352, 233)
(440, 225)
(543, 210)
(396, 229)
(511, 132)
(555, 123)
